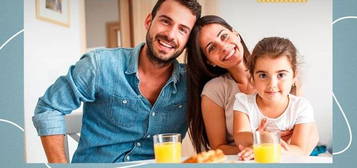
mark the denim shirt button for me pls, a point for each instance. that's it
(127, 157)
(153, 114)
(125, 101)
(147, 136)
(180, 106)
(138, 144)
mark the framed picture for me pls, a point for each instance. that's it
(54, 11)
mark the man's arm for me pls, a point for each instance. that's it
(65, 95)
(54, 148)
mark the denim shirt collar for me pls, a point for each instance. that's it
(132, 66)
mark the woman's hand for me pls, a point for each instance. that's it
(246, 153)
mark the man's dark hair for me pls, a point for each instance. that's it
(192, 5)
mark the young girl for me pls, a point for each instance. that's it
(273, 68)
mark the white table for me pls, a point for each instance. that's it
(289, 159)
(234, 159)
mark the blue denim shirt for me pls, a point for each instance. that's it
(118, 122)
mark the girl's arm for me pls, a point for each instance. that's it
(215, 124)
(304, 139)
(241, 129)
(243, 136)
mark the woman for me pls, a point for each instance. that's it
(216, 61)
(215, 51)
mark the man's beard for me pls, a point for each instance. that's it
(154, 57)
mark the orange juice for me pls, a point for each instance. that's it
(168, 152)
(267, 153)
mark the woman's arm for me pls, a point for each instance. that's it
(304, 139)
(215, 124)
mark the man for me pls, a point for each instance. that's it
(129, 95)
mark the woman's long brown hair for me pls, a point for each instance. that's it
(199, 73)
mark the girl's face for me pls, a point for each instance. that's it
(221, 46)
(273, 78)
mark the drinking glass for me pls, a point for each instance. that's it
(267, 147)
(167, 148)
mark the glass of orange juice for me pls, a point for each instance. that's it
(267, 147)
(167, 148)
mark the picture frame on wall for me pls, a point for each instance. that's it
(54, 11)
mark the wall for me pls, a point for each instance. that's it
(49, 51)
(309, 30)
(98, 13)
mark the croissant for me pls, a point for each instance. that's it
(211, 156)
